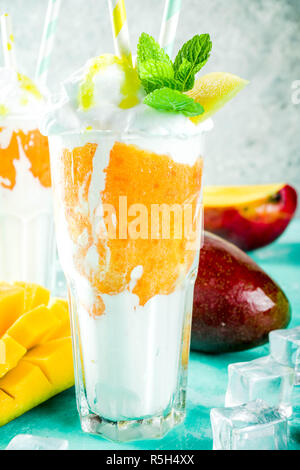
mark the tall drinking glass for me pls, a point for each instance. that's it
(129, 223)
(27, 241)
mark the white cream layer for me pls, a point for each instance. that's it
(131, 354)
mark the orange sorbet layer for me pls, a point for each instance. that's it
(35, 147)
(144, 178)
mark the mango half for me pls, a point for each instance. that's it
(250, 217)
(236, 304)
(35, 348)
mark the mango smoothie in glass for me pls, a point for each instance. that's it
(27, 242)
(127, 164)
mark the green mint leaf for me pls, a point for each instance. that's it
(196, 51)
(148, 49)
(165, 99)
(157, 74)
(185, 75)
(156, 68)
(154, 83)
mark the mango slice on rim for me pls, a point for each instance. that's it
(213, 91)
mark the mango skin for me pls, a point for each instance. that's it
(236, 304)
(256, 225)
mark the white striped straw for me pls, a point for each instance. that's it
(120, 28)
(8, 42)
(47, 43)
(169, 25)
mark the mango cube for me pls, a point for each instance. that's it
(11, 305)
(12, 352)
(7, 407)
(2, 352)
(24, 380)
(27, 385)
(34, 295)
(60, 309)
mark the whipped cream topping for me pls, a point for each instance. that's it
(19, 96)
(106, 112)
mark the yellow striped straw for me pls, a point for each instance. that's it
(120, 28)
(8, 41)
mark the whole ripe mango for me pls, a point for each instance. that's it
(236, 304)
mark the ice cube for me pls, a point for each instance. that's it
(297, 368)
(263, 379)
(296, 404)
(294, 421)
(285, 349)
(30, 442)
(252, 426)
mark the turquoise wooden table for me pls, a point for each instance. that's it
(207, 377)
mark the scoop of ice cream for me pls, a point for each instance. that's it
(108, 79)
(18, 95)
(98, 96)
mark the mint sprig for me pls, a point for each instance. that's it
(173, 100)
(157, 72)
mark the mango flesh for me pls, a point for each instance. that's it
(27, 386)
(236, 304)
(59, 308)
(36, 352)
(12, 353)
(11, 305)
(7, 406)
(32, 327)
(55, 360)
(34, 295)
